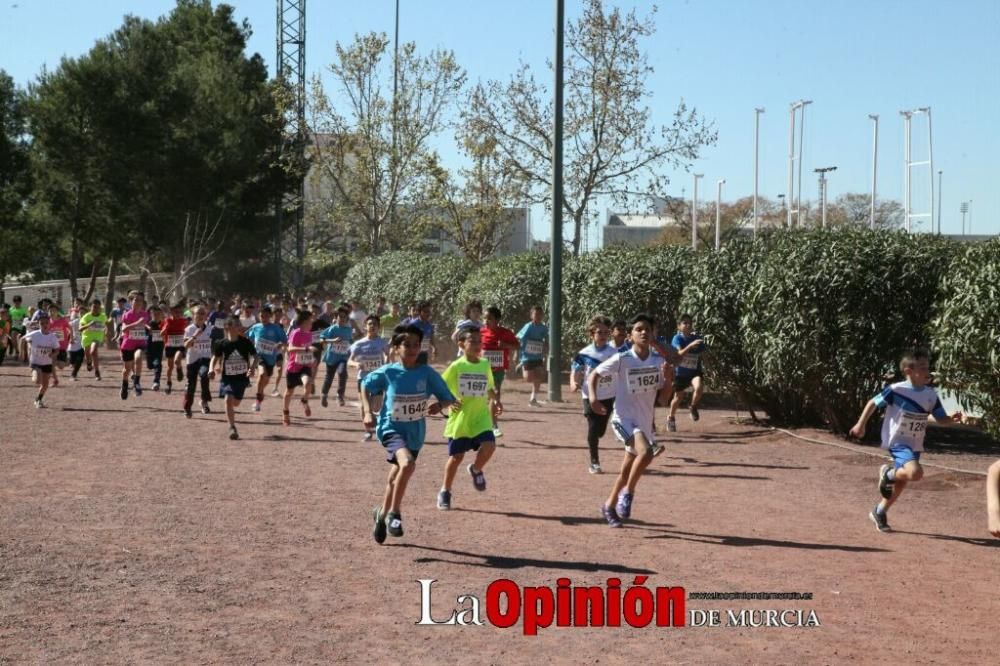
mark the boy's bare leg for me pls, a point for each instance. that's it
(406, 466)
(621, 480)
(644, 455)
(450, 469)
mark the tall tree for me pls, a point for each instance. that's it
(15, 183)
(369, 147)
(613, 149)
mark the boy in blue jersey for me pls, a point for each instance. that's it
(907, 403)
(367, 355)
(534, 337)
(619, 335)
(337, 349)
(584, 363)
(401, 427)
(423, 322)
(268, 339)
(687, 370)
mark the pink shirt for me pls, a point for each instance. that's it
(135, 337)
(299, 360)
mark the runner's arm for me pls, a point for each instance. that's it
(993, 498)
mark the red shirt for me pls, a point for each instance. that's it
(173, 327)
(492, 339)
(60, 327)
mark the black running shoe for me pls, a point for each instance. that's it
(881, 521)
(394, 524)
(379, 531)
(233, 434)
(884, 484)
(124, 391)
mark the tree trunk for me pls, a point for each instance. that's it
(577, 225)
(92, 287)
(143, 277)
(109, 297)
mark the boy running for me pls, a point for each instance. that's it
(154, 345)
(44, 346)
(401, 428)
(5, 333)
(423, 322)
(498, 343)
(92, 327)
(76, 354)
(235, 360)
(369, 354)
(198, 343)
(470, 378)
(907, 403)
(18, 313)
(640, 380)
(584, 363)
(299, 370)
(687, 373)
(134, 333)
(337, 349)
(534, 337)
(173, 331)
(59, 326)
(268, 338)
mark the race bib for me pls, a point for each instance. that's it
(911, 430)
(202, 347)
(472, 385)
(317, 337)
(689, 362)
(643, 380)
(155, 335)
(495, 357)
(235, 365)
(220, 323)
(175, 340)
(605, 387)
(408, 407)
(425, 345)
(534, 347)
(340, 348)
(44, 352)
(60, 335)
(137, 334)
(369, 363)
(268, 347)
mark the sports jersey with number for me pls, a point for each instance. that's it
(637, 381)
(42, 346)
(74, 338)
(155, 332)
(493, 349)
(235, 356)
(92, 327)
(173, 331)
(267, 339)
(427, 329)
(471, 383)
(135, 337)
(688, 365)
(202, 347)
(406, 392)
(533, 337)
(61, 329)
(369, 355)
(906, 410)
(299, 359)
(589, 358)
(335, 352)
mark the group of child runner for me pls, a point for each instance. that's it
(622, 376)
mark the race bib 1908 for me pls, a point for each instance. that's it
(495, 357)
(175, 340)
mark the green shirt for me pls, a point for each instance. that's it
(388, 322)
(471, 384)
(17, 316)
(94, 333)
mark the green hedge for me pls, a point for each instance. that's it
(966, 331)
(513, 283)
(621, 281)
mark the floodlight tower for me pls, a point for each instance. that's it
(822, 189)
(795, 195)
(909, 163)
(694, 212)
(291, 70)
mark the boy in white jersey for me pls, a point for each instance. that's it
(907, 403)
(584, 363)
(641, 380)
(44, 346)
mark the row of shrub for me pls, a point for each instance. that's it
(804, 326)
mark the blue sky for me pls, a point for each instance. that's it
(725, 57)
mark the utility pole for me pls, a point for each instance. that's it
(694, 212)
(756, 161)
(874, 117)
(555, 276)
(822, 189)
(718, 215)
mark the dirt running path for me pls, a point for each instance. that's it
(130, 534)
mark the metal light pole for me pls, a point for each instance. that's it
(822, 189)
(970, 216)
(963, 208)
(795, 200)
(874, 117)
(802, 131)
(939, 202)
(718, 214)
(756, 160)
(555, 276)
(395, 85)
(694, 212)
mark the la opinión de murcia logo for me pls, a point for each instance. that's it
(538, 607)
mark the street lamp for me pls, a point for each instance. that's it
(718, 214)
(963, 208)
(795, 201)
(756, 160)
(939, 202)
(874, 117)
(694, 212)
(822, 189)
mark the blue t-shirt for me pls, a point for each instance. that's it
(266, 338)
(426, 328)
(688, 365)
(337, 352)
(369, 354)
(533, 337)
(406, 392)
